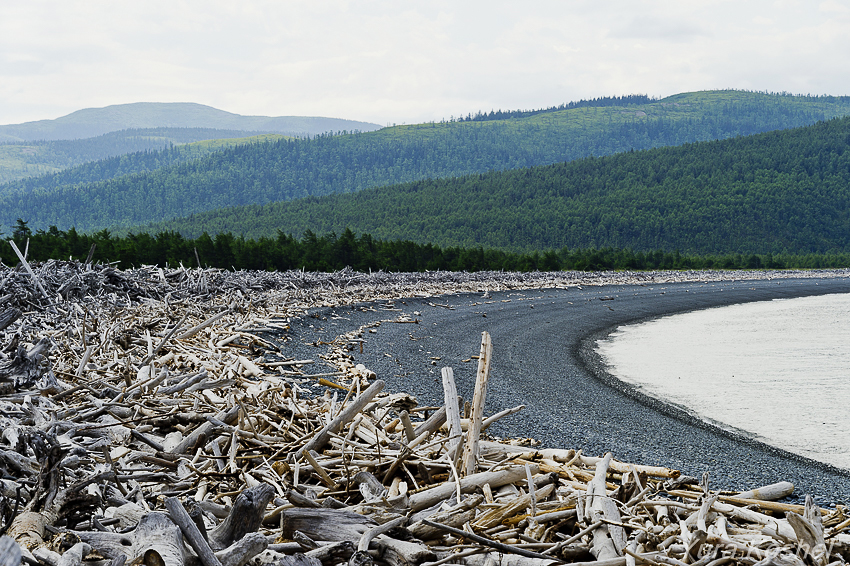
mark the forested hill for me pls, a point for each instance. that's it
(131, 163)
(778, 192)
(22, 160)
(297, 168)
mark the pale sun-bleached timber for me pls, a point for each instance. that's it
(149, 417)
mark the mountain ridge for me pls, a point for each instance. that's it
(91, 122)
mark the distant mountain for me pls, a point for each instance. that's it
(92, 122)
(286, 169)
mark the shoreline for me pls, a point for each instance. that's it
(596, 363)
(153, 385)
(692, 445)
(588, 413)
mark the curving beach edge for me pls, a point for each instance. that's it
(545, 358)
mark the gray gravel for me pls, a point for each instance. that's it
(544, 358)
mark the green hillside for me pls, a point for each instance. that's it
(21, 160)
(297, 168)
(140, 161)
(778, 192)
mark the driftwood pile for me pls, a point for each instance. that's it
(149, 417)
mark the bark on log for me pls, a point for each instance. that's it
(157, 540)
(325, 524)
(495, 516)
(245, 517)
(8, 316)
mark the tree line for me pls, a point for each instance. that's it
(331, 252)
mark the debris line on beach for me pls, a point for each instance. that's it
(149, 416)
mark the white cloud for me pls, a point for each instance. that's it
(388, 62)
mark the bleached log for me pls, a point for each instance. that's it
(508, 559)
(470, 451)
(74, 555)
(401, 552)
(321, 438)
(495, 479)
(208, 322)
(452, 412)
(500, 415)
(341, 550)
(770, 492)
(243, 550)
(809, 531)
(205, 432)
(609, 540)
(454, 517)
(298, 559)
(409, 434)
(190, 530)
(366, 538)
(487, 542)
(496, 516)
(27, 366)
(28, 528)
(29, 270)
(620, 467)
(370, 488)
(431, 425)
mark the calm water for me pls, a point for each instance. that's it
(777, 370)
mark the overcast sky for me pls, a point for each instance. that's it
(405, 62)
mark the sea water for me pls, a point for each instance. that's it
(777, 370)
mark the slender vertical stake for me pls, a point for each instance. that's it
(452, 412)
(26, 264)
(470, 453)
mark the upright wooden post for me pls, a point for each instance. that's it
(470, 453)
(452, 413)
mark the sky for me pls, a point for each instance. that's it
(396, 62)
